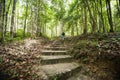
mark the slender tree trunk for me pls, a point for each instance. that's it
(118, 7)
(45, 27)
(85, 20)
(38, 19)
(56, 27)
(17, 24)
(25, 18)
(72, 30)
(82, 19)
(102, 19)
(6, 17)
(93, 22)
(95, 15)
(2, 19)
(119, 4)
(12, 18)
(62, 26)
(109, 13)
(51, 33)
(32, 29)
(77, 28)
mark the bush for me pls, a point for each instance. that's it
(17, 39)
(28, 35)
(19, 33)
(17, 36)
(118, 29)
(45, 36)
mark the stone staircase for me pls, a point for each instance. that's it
(57, 63)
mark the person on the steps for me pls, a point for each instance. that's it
(63, 35)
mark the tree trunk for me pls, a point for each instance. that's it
(38, 19)
(12, 18)
(17, 19)
(93, 22)
(118, 7)
(102, 19)
(2, 19)
(72, 30)
(52, 33)
(6, 17)
(109, 13)
(77, 28)
(25, 18)
(85, 20)
(95, 15)
(56, 28)
(31, 12)
(62, 26)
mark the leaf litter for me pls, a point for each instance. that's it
(18, 60)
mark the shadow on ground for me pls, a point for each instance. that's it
(4, 76)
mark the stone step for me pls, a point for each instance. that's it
(62, 45)
(80, 76)
(53, 52)
(61, 71)
(57, 43)
(55, 48)
(56, 59)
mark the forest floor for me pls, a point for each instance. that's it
(99, 54)
(19, 59)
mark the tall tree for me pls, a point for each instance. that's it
(109, 14)
(85, 19)
(6, 15)
(2, 17)
(12, 19)
(93, 21)
(26, 14)
(118, 7)
(101, 14)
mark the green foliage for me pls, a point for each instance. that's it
(73, 6)
(45, 36)
(45, 15)
(17, 36)
(118, 28)
(54, 78)
(19, 33)
(117, 23)
(7, 36)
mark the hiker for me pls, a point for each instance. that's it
(63, 35)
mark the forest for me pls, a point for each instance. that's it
(28, 18)
(31, 46)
